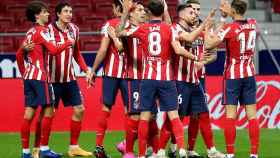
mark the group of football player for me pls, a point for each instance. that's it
(157, 64)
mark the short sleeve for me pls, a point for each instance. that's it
(225, 32)
(104, 29)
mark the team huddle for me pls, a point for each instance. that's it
(157, 64)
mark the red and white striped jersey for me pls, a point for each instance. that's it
(61, 65)
(155, 38)
(184, 68)
(200, 50)
(240, 38)
(115, 63)
(134, 57)
(33, 65)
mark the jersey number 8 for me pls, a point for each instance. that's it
(154, 43)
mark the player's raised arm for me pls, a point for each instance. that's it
(166, 15)
(127, 6)
(179, 49)
(191, 36)
(213, 40)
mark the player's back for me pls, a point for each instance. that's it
(240, 48)
(156, 38)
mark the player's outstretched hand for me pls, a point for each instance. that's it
(210, 17)
(90, 78)
(28, 46)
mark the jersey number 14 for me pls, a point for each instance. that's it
(251, 42)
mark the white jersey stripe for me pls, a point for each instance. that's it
(150, 72)
(111, 65)
(158, 77)
(120, 66)
(69, 63)
(135, 58)
(168, 70)
(232, 68)
(144, 69)
(32, 72)
(39, 75)
(242, 69)
(62, 66)
(188, 70)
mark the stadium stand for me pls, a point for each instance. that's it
(90, 15)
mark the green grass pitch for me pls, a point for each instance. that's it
(10, 146)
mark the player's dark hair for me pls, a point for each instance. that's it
(118, 3)
(240, 6)
(34, 8)
(59, 7)
(181, 7)
(156, 7)
(193, 2)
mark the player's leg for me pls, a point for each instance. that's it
(25, 131)
(147, 96)
(231, 91)
(168, 102)
(153, 136)
(72, 96)
(31, 103)
(36, 146)
(110, 87)
(193, 130)
(249, 100)
(199, 108)
(46, 96)
(132, 117)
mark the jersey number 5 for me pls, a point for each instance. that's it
(251, 42)
(154, 43)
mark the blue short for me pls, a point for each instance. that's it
(38, 93)
(134, 97)
(110, 87)
(68, 92)
(191, 98)
(241, 90)
(166, 91)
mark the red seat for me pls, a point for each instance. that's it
(18, 8)
(7, 44)
(6, 22)
(90, 43)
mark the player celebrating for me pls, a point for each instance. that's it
(62, 74)
(113, 77)
(37, 91)
(157, 40)
(239, 81)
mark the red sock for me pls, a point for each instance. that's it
(254, 134)
(101, 127)
(206, 130)
(165, 133)
(46, 130)
(178, 131)
(25, 133)
(192, 132)
(131, 133)
(75, 130)
(37, 134)
(143, 131)
(230, 134)
(153, 135)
